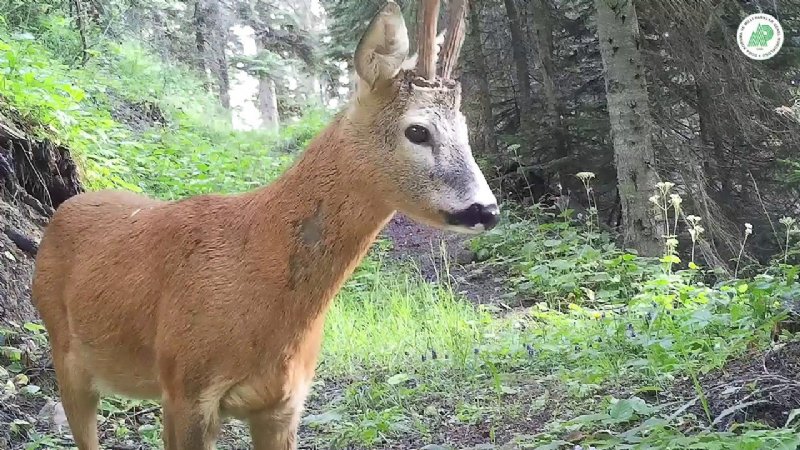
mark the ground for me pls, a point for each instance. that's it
(445, 257)
(433, 406)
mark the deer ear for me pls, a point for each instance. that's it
(384, 46)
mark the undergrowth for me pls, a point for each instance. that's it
(135, 122)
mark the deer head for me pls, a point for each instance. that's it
(407, 127)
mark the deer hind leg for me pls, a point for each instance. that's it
(79, 398)
(190, 424)
(273, 430)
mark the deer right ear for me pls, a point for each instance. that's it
(384, 46)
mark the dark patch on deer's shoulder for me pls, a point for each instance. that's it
(310, 234)
(312, 228)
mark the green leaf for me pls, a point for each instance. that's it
(670, 259)
(30, 389)
(34, 327)
(794, 414)
(322, 419)
(398, 379)
(622, 411)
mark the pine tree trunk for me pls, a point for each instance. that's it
(267, 95)
(559, 136)
(211, 39)
(521, 64)
(268, 103)
(481, 71)
(629, 112)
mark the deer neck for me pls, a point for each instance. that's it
(321, 218)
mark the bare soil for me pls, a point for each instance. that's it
(757, 387)
(444, 257)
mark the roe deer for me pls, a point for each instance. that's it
(214, 304)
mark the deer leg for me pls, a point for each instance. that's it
(190, 424)
(79, 398)
(275, 430)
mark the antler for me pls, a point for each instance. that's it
(454, 39)
(426, 59)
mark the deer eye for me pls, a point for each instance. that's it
(418, 134)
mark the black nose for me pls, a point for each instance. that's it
(486, 215)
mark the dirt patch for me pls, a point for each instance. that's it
(758, 387)
(444, 257)
(35, 177)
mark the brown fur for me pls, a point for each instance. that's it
(216, 304)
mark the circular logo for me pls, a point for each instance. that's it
(760, 36)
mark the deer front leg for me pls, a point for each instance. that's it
(79, 399)
(275, 430)
(189, 424)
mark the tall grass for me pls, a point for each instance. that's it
(391, 319)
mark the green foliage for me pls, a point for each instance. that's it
(632, 423)
(561, 262)
(137, 123)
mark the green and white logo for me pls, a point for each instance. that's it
(760, 36)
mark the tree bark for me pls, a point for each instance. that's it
(629, 113)
(481, 71)
(268, 103)
(267, 93)
(211, 39)
(79, 16)
(200, 41)
(559, 135)
(521, 64)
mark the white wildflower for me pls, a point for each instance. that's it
(665, 186)
(676, 200)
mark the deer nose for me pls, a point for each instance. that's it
(476, 214)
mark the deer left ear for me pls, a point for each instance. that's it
(384, 46)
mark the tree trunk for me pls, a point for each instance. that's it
(559, 136)
(629, 113)
(311, 25)
(211, 39)
(481, 71)
(267, 94)
(79, 22)
(268, 103)
(521, 64)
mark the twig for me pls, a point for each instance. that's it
(730, 410)
(764, 207)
